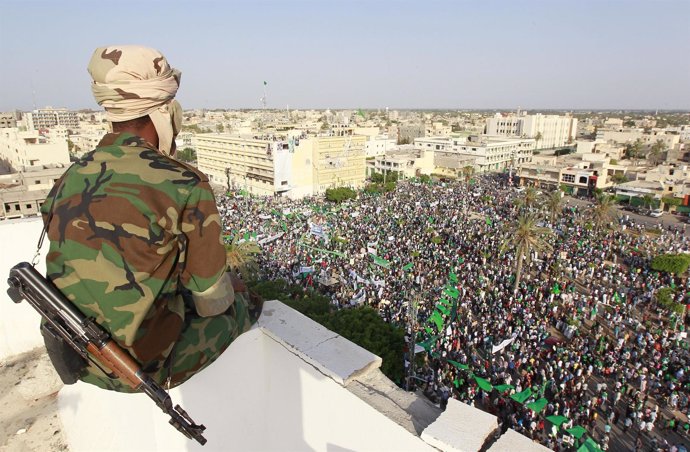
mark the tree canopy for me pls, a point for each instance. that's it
(676, 264)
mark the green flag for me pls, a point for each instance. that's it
(283, 225)
(576, 431)
(484, 384)
(589, 446)
(445, 302)
(616, 297)
(504, 388)
(426, 345)
(444, 310)
(408, 267)
(459, 365)
(556, 289)
(437, 319)
(380, 262)
(361, 113)
(488, 221)
(453, 277)
(557, 420)
(537, 405)
(451, 292)
(456, 383)
(521, 397)
(431, 219)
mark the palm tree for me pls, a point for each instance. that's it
(554, 204)
(647, 201)
(241, 257)
(537, 138)
(655, 152)
(633, 150)
(603, 211)
(530, 197)
(524, 238)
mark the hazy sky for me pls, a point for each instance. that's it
(573, 54)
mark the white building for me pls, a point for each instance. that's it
(294, 167)
(46, 118)
(378, 145)
(629, 135)
(554, 131)
(20, 150)
(490, 153)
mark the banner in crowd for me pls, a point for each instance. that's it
(502, 345)
(380, 261)
(270, 239)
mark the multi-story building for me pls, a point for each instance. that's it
(629, 135)
(406, 163)
(378, 145)
(23, 193)
(490, 153)
(552, 131)
(86, 141)
(294, 167)
(21, 150)
(410, 132)
(46, 118)
(8, 120)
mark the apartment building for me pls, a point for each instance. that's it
(21, 150)
(490, 153)
(8, 120)
(552, 130)
(629, 135)
(23, 193)
(287, 166)
(46, 118)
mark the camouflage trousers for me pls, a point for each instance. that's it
(202, 341)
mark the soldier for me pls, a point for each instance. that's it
(135, 236)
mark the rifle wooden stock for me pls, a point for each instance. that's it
(118, 361)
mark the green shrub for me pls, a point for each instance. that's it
(676, 264)
(340, 194)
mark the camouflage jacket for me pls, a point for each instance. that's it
(131, 228)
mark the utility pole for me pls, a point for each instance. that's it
(412, 305)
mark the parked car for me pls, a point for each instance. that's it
(656, 213)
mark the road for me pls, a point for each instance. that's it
(666, 220)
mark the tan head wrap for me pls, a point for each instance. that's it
(135, 81)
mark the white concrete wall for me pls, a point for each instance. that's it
(18, 322)
(261, 395)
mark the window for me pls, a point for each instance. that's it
(583, 180)
(568, 178)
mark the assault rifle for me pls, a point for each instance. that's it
(92, 342)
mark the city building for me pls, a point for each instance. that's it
(407, 162)
(552, 131)
(21, 150)
(8, 120)
(23, 193)
(629, 135)
(490, 153)
(378, 145)
(288, 166)
(46, 118)
(407, 133)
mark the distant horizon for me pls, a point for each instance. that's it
(435, 55)
(369, 109)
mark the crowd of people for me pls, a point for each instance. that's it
(581, 329)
